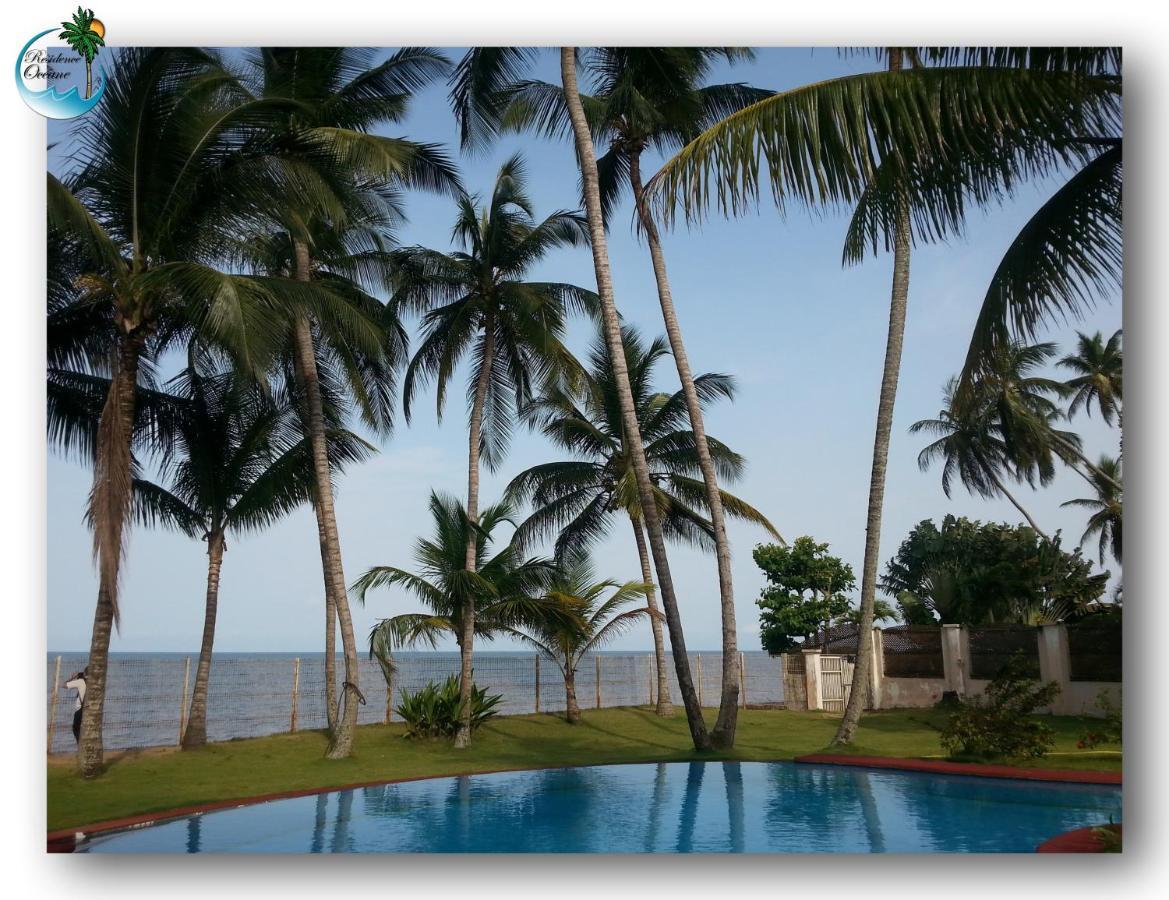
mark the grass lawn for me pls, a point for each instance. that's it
(154, 780)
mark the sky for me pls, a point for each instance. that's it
(763, 298)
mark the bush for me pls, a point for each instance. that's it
(999, 724)
(434, 711)
(1110, 730)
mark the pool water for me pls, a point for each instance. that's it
(713, 807)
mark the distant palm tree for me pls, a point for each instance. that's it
(577, 499)
(971, 446)
(239, 463)
(1107, 518)
(1099, 375)
(84, 34)
(479, 300)
(588, 620)
(503, 589)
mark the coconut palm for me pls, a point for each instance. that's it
(1099, 375)
(578, 499)
(653, 98)
(145, 213)
(970, 445)
(503, 588)
(333, 98)
(1107, 508)
(592, 614)
(84, 34)
(478, 300)
(238, 463)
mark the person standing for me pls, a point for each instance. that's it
(77, 683)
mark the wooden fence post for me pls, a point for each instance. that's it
(183, 708)
(700, 703)
(742, 680)
(295, 690)
(597, 660)
(537, 682)
(53, 702)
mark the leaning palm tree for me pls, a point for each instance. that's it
(1099, 375)
(480, 300)
(239, 463)
(334, 98)
(501, 590)
(588, 620)
(652, 98)
(144, 215)
(1107, 508)
(970, 445)
(578, 499)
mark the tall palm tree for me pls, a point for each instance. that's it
(145, 213)
(911, 147)
(239, 463)
(1099, 375)
(577, 499)
(85, 35)
(502, 589)
(587, 159)
(479, 300)
(653, 98)
(335, 97)
(1107, 508)
(970, 445)
(588, 621)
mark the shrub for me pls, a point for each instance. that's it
(1110, 729)
(999, 724)
(434, 710)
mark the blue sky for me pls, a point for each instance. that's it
(762, 298)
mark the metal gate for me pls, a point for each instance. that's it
(835, 682)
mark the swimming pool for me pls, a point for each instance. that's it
(712, 807)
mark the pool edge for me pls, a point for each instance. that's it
(946, 767)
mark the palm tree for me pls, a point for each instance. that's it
(586, 156)
(1099, 375)
(502, 589)
(239, 463)
(651, 97)
(577, 499)
(479, 300)
(144, 215)
(334, 97)
(84, 34)
(970, 445)
(587, 622)
(1107, 506)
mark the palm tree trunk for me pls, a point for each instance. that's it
(88, 79)
(664, 706)
(195, 734)
(571, 709)
(1026, 515)
(723, 735)
(109, 506)
(467, 642)
(897, 306)
(342, 736)
(588, 166)
(330, 630)
(1092, 467)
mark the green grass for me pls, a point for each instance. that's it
(156, 780)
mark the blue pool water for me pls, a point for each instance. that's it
(712, 807)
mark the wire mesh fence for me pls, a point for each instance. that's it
(148, 697)
(1094, 646)
(993, 646)
(911, 651)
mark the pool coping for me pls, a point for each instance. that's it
(1079, 840)
(947, 767)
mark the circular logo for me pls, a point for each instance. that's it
(60, 82)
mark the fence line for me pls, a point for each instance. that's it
(147, 697)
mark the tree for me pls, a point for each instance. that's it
(332, 99)
(502, 590)
(577, 499)
(84, 34)
(239, 463)
(1107, 508)
(479, 300)
(806, 591)
(652, 97)
(970, 445)
(1098, 369)
(586, 620)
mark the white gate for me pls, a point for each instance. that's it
(835, 682)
